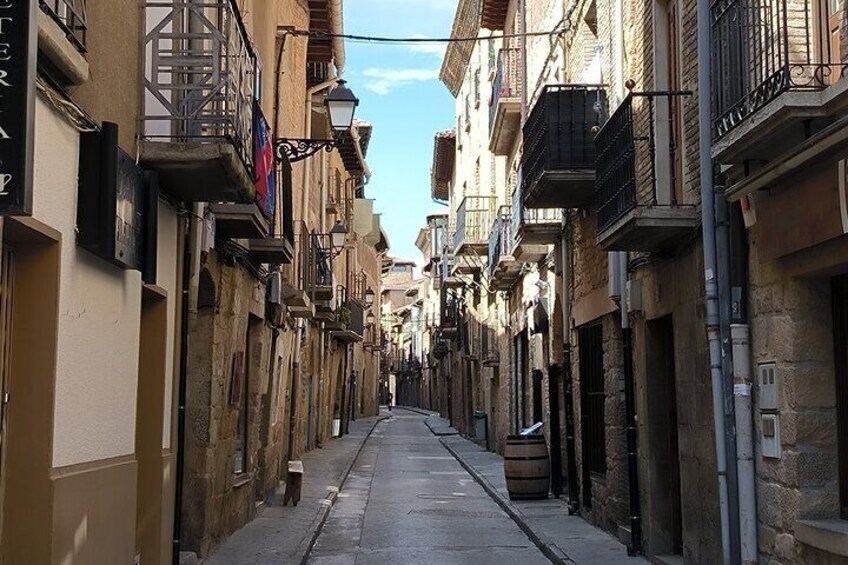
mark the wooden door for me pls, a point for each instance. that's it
(840, 356)
(6, 301)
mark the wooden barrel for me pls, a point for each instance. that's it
(527, 467)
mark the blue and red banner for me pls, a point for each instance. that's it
(265, 172)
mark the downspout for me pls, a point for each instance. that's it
(737, 276)
(710, 269)
(337, 27)
(631, 418)
(567, 385)
(191, 241)
(724, 314)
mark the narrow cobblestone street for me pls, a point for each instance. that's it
(409, 501)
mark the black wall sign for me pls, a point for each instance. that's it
(117, 204)
(18, 53)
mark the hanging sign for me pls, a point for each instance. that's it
(18, 50)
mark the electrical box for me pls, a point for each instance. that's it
(634, 295)
(769, 386)
(770, 438)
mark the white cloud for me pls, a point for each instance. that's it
(437, 49)
(383, 81)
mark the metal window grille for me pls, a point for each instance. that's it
(592, 398)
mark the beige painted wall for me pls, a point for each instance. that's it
(99, 308)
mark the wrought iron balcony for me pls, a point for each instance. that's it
(505, 105)
(762, 49)
(449, 315)
(319, 268)
(639, 186)
(504, 270)
(536, 226)
(473, 220)
(559, 149)
(295, 283)
(71, 17)
(197, 119)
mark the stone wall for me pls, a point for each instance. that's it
(227, 322)
(792, 327)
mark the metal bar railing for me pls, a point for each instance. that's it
(199, 74)
(507, 83)
(473, 220)
(500, 238)
(71, 16)
(639, 158)
(763, 48)
(559, 133)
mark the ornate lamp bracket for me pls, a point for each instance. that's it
(299, 149)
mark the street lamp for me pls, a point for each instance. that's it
(369, 297)
(341, 105)
(370, 319)
(337, 237)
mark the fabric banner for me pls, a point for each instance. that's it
(265, 173)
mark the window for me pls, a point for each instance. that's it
(592, 397)
(477, 88)
(239, 402)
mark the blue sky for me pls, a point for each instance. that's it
(402, 97)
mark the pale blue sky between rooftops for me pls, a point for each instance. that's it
(401, 96)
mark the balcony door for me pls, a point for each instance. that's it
(830, 16)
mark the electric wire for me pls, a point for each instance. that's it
(415, 40)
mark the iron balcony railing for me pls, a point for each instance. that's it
(526, 217)
(449, 312)
(763, 48)
(320, 262)
(71, 16)
(507, 83)
(473, 220)
(199, 74)
(560, 131)
(639, 159)
(500, 239)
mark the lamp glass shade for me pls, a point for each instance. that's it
(369, 296)
(341, 106)
(341, 115)
(369, 319)
(337, 234)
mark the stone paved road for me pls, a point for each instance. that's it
(408, 501)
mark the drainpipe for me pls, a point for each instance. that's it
(337, 27)
(710, 270)
(733, 256)
(567, 386)
(722, 232)
(631, 418)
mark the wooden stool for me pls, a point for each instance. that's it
(294, 482)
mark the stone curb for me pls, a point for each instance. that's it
(440, 431)
(553, 553)
(306, 546)
(418, 410)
